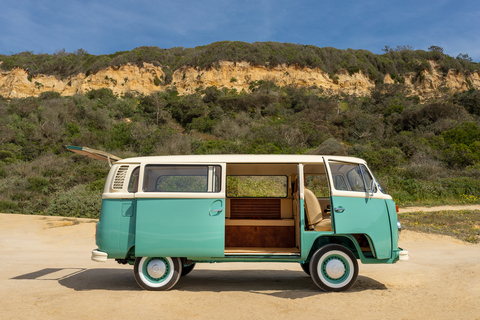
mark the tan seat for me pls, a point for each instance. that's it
(315, 218)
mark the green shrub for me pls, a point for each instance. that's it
(72, 129)
(330, 147)
(104, 95)
(7, 156)
(461, 155)
(77, 202)
(187, 108)
(470, 100)
(7, 206)
(463, 145)
(38, 184)
(218, 147)
(96, 186)
(120, 137)
(378, 158)
(48, 95)
(202, 124)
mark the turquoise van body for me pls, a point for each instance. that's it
(165, 214)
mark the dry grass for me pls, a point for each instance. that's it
(462, 224)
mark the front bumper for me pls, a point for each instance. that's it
(403, 255)
(99, 256)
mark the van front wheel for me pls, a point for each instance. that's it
(187, 269)
(157, 273)
(334, 268)
(305, 267)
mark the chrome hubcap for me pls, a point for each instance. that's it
(156, 268)
(335, 269)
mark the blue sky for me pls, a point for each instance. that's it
(104, 27)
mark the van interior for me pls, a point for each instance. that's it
(262, 213)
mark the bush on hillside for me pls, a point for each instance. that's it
(397, 61)
(76, 202)
(420, 152)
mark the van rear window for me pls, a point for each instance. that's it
(182, 178)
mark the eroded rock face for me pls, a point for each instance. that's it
(18, 84)
(239, 76)
(149, 78)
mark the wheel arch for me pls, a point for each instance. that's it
(129, 257)
(346, 240)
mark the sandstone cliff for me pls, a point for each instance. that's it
(149, 78)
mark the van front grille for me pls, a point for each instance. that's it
(120, 178)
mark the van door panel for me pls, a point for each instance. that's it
(356, 209)
(365, 216)
(180, 227)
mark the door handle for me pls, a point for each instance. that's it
(215, 212)
(339, 209)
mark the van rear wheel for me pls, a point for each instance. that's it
(157, 273)
(334, 268)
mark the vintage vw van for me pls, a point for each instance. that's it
(165, 214)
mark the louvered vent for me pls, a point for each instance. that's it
(120, 178)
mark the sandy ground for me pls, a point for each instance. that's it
(47, 273)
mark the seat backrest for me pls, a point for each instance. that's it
(312, 208)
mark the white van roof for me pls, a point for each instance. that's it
(238, 158)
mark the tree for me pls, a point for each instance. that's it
(436, 49)
(436, 52)
(465, 57)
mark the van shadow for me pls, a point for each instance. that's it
(82, 279)
(278, 283)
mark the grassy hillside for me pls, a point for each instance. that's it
(422, 153)
(394, 61)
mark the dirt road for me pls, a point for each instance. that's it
(441, 208)
(47, 273)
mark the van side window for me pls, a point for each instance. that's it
(133, 183)
(347, 177)
(354, 177)
(166, 178)
(368, 179)
(339, 183)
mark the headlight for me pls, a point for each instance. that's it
(399, 226)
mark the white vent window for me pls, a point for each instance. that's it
(120, 178)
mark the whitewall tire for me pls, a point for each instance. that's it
(334, 268)
(157, 273)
